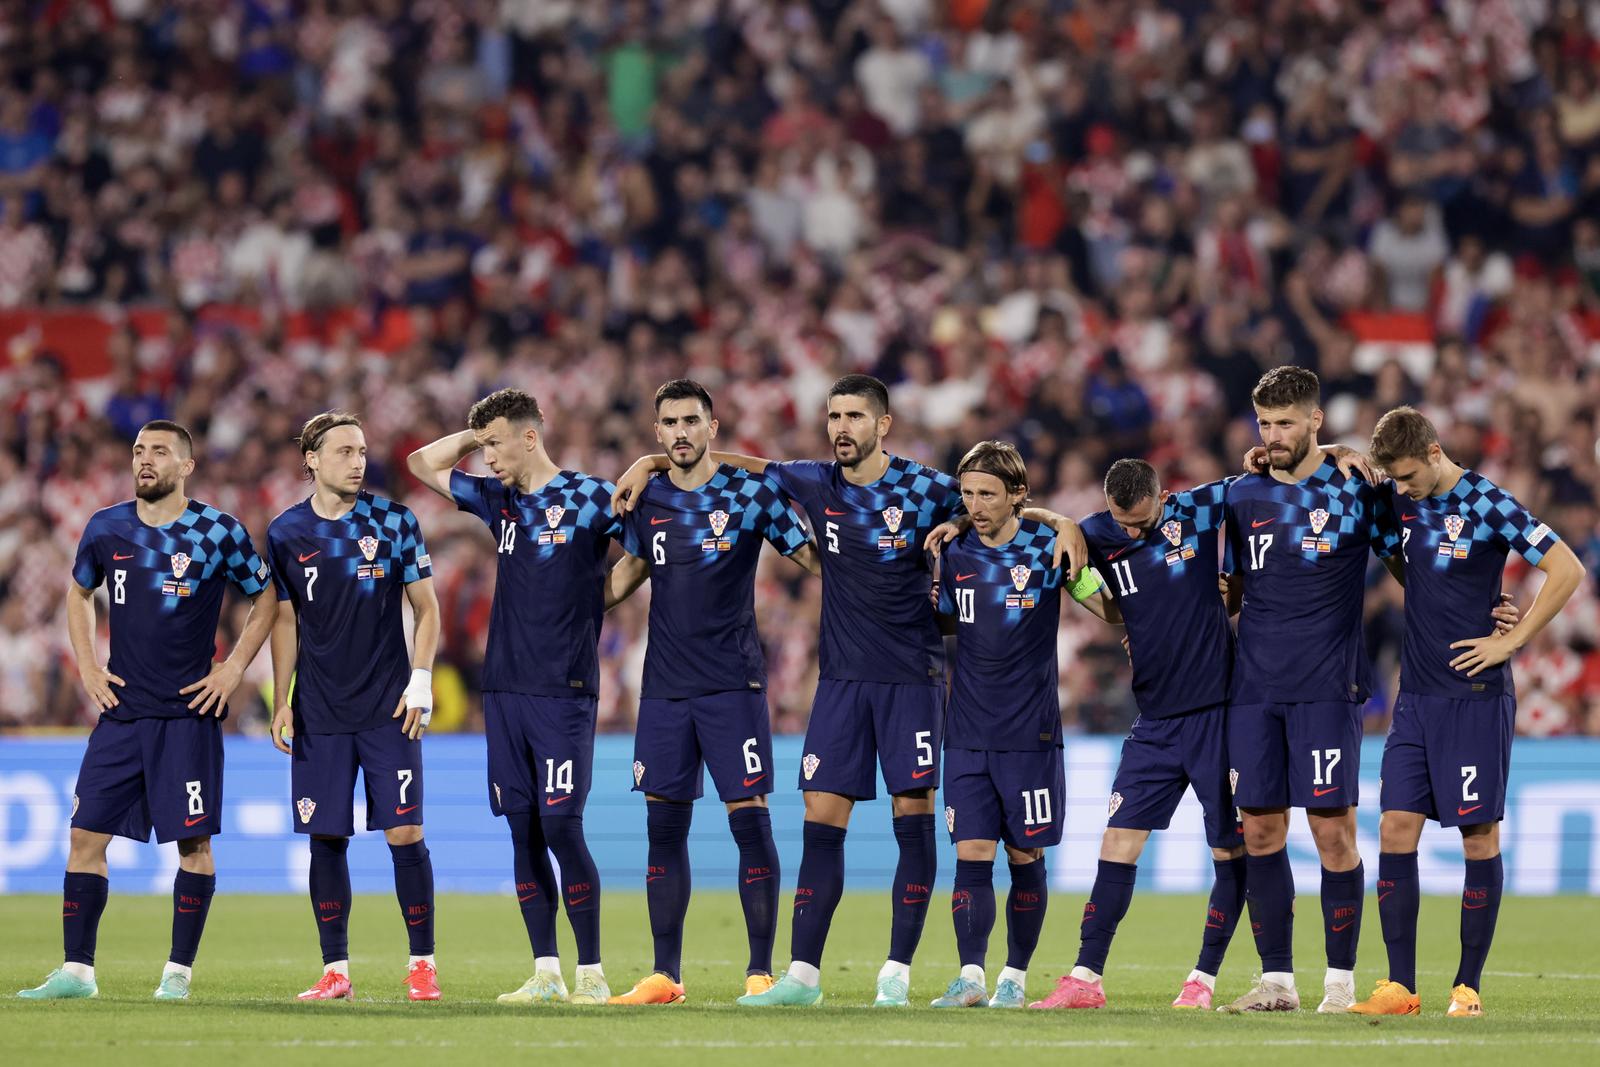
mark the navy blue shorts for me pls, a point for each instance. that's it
(1163, 757)
(851, 722)
(1295, 755)
(1448, 759)
(144, 773)
(541, 752)
(729, 733)
(323, 780)
(1015, 797)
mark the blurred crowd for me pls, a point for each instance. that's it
(1084, 225)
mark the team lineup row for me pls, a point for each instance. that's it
(1257, 716)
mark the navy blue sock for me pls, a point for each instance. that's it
(1480, 906)
(1222, 913)
(1342, 894)
(667, 886)
(1025, 906)
(913, 884)
(191, 901)
(758, 883)
(1108, 903)
(972, 909)
(1269, 890)
(816, 891)
(580, 882)
(83, 901)
(330, 896)
(1399, 900)
(413, 886)
(536, 881)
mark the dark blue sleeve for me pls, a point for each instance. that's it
(280, 580)
(414, 558)
(1516, 527)
(779, 523)
(86, 569)
(1383, 527)
(474, 495)
(606, 522)
(247, 571)
(632, 539)
(794, 477)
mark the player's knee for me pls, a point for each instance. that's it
(194, 846)
(976, 851)
(1022, 857)
(1265, 834)
(403, 835)
(831, 809)
(1222, 855)
(86, 845)
(916, 802)
(1121, 845)
(1399, 831)
(1481, 842)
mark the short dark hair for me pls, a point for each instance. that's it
(1000, 459)
(863, 385)
(1404, 433)
(1286, 387)
(185, 441)
(1129, 481)
(513, 405)
(683, 389)
(318, 426)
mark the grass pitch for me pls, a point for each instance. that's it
(259, 951)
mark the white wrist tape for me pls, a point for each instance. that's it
(419, 693)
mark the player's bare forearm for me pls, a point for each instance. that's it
(1563, 574)
(634, 479)
(621, 581)
(432, 463)
(808, 558)
(97, 680)
(285, 652)
(753, 464)
(257, 628)
(1235, 593)
(425, 623)
(1397, 568)
(1103, 607)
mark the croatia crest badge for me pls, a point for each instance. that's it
(809, 765)
(553, 515)
(892, 518)
(369, 547)
(1319, 519)
(1172, 530)
(719, 522)
(180, 563)
(306, 807)
(1020, 576)
(1453, 525)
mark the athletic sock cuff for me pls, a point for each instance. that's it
(1113, 873)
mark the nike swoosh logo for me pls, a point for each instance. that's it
(1468, 811)
(830, 511)
(1382, 895)
(507, 514)
(579, 900)
(520, 900)
(658, 522)
(120, 558)
(757, 878)
(653, 878)
(1117, 553)
(1342, 929)
(415, 922)
(1213, 926)
(964, 577)
(69, 915)
(1473, 907)
(310, 555)
(551, 802)
(913, 900)
(188, 911)
(1024, 909)
(330, 918)
(1256, 524)
(957, 908)
(752, 781)
(196, 819)
(1324, 792)
(1035, 830)
(1407, 518)
(922, 774)
(405, 811)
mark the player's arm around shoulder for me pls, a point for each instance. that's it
(1070, 542)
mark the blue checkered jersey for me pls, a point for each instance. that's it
(1455, 549)
(703, 546)
(166, 587)
(1006, 601)
(1302, 550)
(1165, 585)
(344, 579)
(876, 626)
(549, 593)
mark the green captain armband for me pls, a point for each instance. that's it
(1087, 585)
